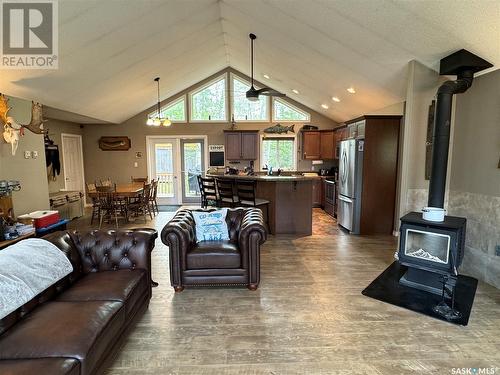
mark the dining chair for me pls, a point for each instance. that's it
(91, 188)
(142, 205)
(208, 191)
(153, 196)
(225, 193)
(106, 182)
(245, 190)
(109, 206)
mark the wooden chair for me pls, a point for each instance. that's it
(208, 191)
(91, 188)
(245, 189)
(225, 193)
(142, 205)
(153, 196)
(109, 206)
(139, 179)
(106, 182)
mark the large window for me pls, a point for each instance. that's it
(209, 102)
(244, 109)
(175, 111)
(283, 111)
(278, 152)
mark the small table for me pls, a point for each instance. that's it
(4, 244)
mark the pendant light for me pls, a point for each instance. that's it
(158, 120)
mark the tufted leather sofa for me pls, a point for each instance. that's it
(77, 325)
(233, 262)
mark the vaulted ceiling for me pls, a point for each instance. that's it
(110, 51)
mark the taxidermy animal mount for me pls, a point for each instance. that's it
(13, 130)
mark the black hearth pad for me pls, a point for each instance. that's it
(386, 288)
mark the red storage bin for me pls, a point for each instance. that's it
(42, 219)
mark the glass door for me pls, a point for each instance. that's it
(162, 154)
(192, 165)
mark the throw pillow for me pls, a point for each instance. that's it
(211, 226)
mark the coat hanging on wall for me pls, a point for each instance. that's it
(52, 160)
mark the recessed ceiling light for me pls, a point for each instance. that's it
(335, 99)
(296, 91)
(324, 106)
(266, 76)
(351, 90)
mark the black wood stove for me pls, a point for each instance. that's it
(433, 251)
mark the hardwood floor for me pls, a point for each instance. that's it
(307, 317)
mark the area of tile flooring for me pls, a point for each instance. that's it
(307, 317)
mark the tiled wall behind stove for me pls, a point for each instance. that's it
(483, 234)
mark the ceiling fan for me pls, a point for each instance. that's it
(253, 93)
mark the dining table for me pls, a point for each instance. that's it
(128, 190)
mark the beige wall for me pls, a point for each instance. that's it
(475, 176)
(119, 165)
(477, 137)
(30, 172)
(56, 128)
(421, 89)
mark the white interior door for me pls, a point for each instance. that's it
(163, 160)
(72, 156)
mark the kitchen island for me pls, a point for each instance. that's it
(290, 197)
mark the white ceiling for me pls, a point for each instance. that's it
(111, 50)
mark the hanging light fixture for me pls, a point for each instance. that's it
(158, 120)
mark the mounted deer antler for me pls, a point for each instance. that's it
(36, 123)
(4, 109)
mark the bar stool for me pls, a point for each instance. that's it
(245, 190)
(225, 193)
(208, 191)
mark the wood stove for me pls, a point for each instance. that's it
(432, 251)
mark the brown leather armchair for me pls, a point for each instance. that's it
(212, 263)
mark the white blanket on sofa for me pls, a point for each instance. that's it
(27, 268)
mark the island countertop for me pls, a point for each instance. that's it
(289, 197)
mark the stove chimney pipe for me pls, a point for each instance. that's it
(463, 64)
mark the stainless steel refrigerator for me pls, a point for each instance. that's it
(350, 184)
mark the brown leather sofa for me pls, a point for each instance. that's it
(207, 263)
(77, 325)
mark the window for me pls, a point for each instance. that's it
(283, 111)
(209, 102)
(278, 152)
(244, 109)
(175, 111)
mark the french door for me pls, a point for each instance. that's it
(176, 163)
(192, 163)
(162, 166)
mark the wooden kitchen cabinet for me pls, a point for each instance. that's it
(241, 145)
(311, 145)
(327, 145)
(339, 135)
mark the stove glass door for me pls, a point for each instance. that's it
(430, 246)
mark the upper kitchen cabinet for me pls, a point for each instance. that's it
(318, 145)
(327, 149)
(241, 145)
(311, 145)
